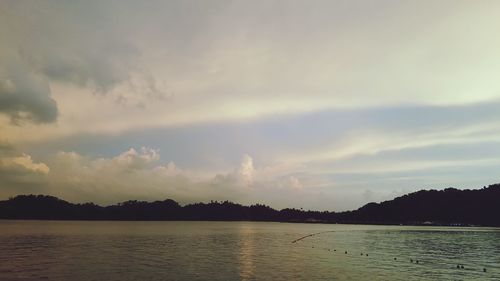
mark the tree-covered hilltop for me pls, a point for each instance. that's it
(448, 206)
(445, 207)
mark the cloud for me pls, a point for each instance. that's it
(199, 56)
(137, 160)
(308, 91)
(246, 170)
(6, 149)
(19, 173)
(374, 148)
(170, 169)
(11, 161)
(24, 94)
(140, 174)
(60, 44)
(27, 163)
(295, 183)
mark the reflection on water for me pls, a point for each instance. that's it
(246, 253)
(35, 250)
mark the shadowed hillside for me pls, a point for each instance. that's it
(446, 207)
(449, 206)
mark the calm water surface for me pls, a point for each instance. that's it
(75, 250)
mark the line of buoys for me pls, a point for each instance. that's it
(459, 266)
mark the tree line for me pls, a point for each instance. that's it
(435, 207)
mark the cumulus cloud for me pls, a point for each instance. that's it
(140, 174)
(246, 170)
(294, 182)
(19, 172)
(170, 169)
(27, 163)
(137, 160)
(13, 161)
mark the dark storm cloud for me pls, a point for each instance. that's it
(73, 44)
(24, 94)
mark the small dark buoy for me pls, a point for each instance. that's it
(334, 250)
(361, 253)
(411, 260)
(417, 261)
(484, 269)
(462, 267)
(367, 255)
(345, 252)
(395, 258)
(458, 266)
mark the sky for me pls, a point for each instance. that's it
(323, 105)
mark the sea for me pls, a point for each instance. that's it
(191, 250)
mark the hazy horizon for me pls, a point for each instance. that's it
(323, 105)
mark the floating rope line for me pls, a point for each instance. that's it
(472, 266)
(309, 235)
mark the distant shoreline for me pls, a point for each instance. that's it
(449, 207)
(290, 222)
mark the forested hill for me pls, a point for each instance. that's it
(445, 207)
(449, 206)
